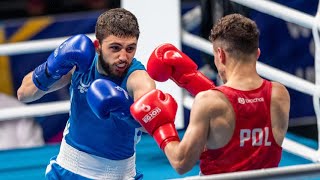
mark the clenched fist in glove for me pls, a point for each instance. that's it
(156, 111)
(166, 61)
(76, 51)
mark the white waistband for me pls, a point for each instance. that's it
(95, 167)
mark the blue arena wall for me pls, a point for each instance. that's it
(283, 45)
(43, 28)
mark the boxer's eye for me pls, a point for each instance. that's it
(115, 48)
(130, 49)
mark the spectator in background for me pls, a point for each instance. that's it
(36, 7)
(21, 132)
(211, 11)
(95, 4)
(100, 4)
(52, 127)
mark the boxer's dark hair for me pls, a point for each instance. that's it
(237, 34)
(118, 22)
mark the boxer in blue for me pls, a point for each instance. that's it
(100, 135)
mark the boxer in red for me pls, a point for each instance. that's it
(235, 127)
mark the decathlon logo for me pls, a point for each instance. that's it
(254, 100)
(55, 53)
(83, 87)
(241, 100)
(172, 54)
(177, 54)
(145, 108)
(122, 90)
(151, 113)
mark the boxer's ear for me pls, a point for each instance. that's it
(222, 55)
(96, 45)
(258, 53)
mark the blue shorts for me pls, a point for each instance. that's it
(54, 171)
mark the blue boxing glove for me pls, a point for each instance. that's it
(105, 98)
(76, 51)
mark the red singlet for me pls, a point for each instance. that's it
(252, 145)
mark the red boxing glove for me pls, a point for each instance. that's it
(166, 61)
(155, 111)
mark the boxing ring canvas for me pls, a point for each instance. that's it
(31, 163)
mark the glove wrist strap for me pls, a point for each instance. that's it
(41, 77)
(165, 134)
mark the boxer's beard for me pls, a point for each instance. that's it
(107, 68)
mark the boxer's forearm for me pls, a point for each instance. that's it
(181, 159)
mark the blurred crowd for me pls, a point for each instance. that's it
(30, 132)
(10, 9)
(51, 130)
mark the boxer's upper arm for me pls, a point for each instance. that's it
(196, 134)
(195, 138)
(280, 108)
